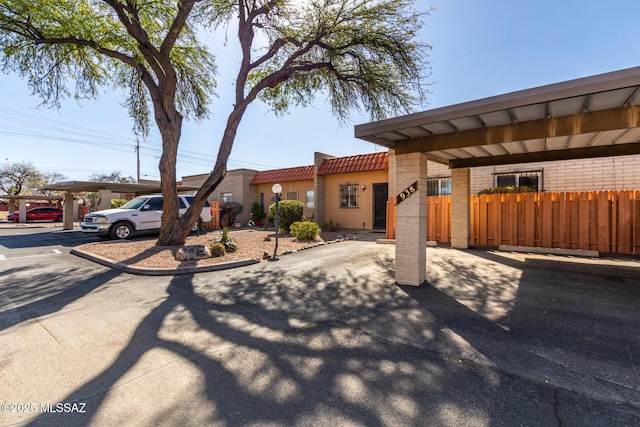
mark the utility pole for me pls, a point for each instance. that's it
(138, 160)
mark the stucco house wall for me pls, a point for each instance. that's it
(299, 187)
(356, 218)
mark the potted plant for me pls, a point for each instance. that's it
(256, 214)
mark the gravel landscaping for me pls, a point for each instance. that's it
(252, 244)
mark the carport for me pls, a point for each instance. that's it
(23, 203)
(104, 189)
(596, 116)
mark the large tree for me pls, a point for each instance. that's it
(16, 177)
(361, 54)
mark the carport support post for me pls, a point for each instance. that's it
(460, 207)
(22, 210)
(105, 199)
(411, 220)
(67, 214)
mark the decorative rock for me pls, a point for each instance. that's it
(193, 252)
(266, 256)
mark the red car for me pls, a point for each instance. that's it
(39, 214)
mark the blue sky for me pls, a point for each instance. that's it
(480, 49)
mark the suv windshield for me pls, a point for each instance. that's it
(190, 200)
(135, 203)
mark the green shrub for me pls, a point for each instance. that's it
(229, 244)
(256, 212)
(217, 249)
(330, 226)
(289, 211)
(116, 203)
(509, 189)
(305, 230)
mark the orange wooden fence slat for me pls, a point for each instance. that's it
(547, 219)
(624, 223)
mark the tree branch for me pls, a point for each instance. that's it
(184, 10)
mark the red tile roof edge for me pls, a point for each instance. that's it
(358, 163)
(299, 173)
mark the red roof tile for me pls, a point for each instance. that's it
(299, 173)
(359, 163)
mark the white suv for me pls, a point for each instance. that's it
(142, 214)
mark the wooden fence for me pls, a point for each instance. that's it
(214, 224)
(605, 221)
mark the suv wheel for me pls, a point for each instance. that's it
(121, 231)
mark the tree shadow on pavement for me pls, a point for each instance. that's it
(291, 344)
(281, 346)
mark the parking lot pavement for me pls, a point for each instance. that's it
(324, 337)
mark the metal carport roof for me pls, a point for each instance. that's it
(596, 116)
(78, 186)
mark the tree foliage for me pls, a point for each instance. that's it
(360, 54)
(115, 176)
(16, 177)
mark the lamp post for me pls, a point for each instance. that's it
(277, 189)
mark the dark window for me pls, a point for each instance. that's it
(439, 186)
(349, 196)
(155, 204)
(531, 179)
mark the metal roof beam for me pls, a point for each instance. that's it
(576, 153)
(596, 121)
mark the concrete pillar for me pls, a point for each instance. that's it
(411, 220)
(105, 199)
(391, 175)
(22, 210)
(67, 211)
(460, 208)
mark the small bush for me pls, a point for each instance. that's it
(330, 226)
(289, 211)
(506, 190)
(305, 230)
(266, 239)
(229, 244)
(217, 249)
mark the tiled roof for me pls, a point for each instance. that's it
(358, 163)
(299, 173)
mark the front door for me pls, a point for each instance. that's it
(380, 197)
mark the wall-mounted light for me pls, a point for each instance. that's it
(364, 187)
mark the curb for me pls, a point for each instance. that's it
(552, 251)
(143, 271)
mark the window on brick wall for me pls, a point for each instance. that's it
(227, 197)
(439, 186)
(349, 196)
(531, 179)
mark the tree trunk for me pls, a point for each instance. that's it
(172, 231)
(176, 230)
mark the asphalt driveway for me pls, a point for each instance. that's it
(322, 337)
